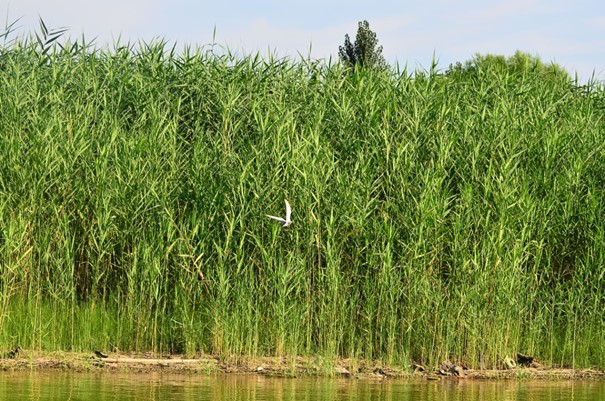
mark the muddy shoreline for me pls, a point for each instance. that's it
(269, 366)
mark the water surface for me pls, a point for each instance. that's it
(44, 386)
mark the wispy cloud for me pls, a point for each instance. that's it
(99, 18)
(261, 34)
(512, 9)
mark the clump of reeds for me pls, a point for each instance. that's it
(435, 216)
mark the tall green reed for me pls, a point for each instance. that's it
(435, 216)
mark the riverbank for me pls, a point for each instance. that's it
(270, 366)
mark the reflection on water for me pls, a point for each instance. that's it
(108, 386)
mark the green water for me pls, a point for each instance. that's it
(83, 387)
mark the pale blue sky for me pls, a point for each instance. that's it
(571, 33)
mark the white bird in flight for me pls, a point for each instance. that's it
(285, 222)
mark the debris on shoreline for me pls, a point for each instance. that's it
(276, 367)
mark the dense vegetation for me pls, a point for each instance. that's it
(436, 215)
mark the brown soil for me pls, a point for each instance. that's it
(268, 366)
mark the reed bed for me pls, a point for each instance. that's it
(435, 215)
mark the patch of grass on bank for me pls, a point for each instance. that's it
(435, 215)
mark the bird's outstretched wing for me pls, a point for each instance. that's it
(276, 218)
(288, 211)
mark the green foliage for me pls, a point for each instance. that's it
(432, 218)
(365, 52)
(518, 66)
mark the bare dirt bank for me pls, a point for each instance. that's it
(269, 366)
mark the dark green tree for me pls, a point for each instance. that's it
(365, 52)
